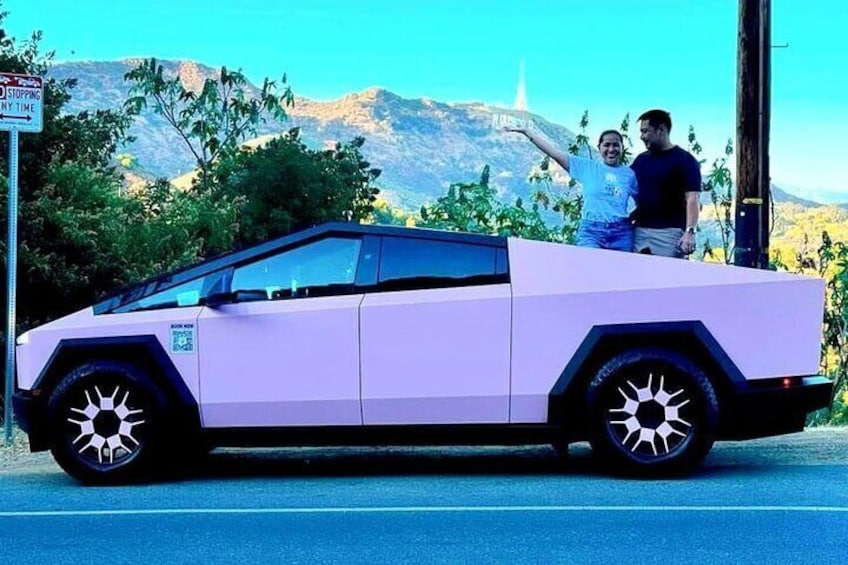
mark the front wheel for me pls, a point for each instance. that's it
(652, 411)
(104, 418)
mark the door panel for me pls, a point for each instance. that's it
(281, 363)
(439, 356)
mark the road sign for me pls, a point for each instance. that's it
(21, 102)
(21, 110)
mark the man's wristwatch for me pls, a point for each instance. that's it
(690, 230)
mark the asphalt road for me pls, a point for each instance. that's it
(783, 501)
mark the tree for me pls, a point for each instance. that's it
(384, 213)
(474, 207)
(66, 165)
(69, 254)
(284, 185)
(167, 228)
(256, 193)
(830, 262)
(719, 185)
(214, 121)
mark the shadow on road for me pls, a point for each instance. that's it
(763, 458)
(392, 461)
(399, 461)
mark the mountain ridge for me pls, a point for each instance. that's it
(421, 145)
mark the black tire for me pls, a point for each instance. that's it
(106, 423)
(652, 412)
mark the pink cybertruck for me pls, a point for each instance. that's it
(367, 335)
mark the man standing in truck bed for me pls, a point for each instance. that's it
(669, 191)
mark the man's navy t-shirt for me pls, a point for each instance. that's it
(664, 179)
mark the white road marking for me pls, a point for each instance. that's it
(414, 509)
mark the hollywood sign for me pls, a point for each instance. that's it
(508, 120)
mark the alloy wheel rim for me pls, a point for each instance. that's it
(651, 421)
(103, 428)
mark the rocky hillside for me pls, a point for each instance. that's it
(421, 145)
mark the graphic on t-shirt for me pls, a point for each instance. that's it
(610, 185)
(606, 189)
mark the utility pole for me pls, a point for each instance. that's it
(753, 120)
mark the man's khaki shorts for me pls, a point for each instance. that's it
(658, 241)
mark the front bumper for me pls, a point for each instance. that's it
(773, 407)
(30, 414)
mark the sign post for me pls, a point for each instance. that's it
(21, 110)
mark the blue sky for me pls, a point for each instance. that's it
(609, 57)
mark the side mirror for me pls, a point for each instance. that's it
(217, 299)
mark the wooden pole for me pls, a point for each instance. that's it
(753, 121)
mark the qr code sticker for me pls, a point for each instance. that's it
(182, 338)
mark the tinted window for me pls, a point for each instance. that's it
(406, 259)
(325, 263)
(186, 294)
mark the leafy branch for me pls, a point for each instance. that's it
(213, 122)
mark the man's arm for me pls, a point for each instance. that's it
(693, 205)
(692, 180)
(544, 145)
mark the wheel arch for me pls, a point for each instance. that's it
(566, 400)
(143, 351)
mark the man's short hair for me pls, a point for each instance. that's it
(657, 118)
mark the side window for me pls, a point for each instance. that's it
(420, 263)
(313, 269)
(186, 294)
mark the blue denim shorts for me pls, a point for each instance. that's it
(616, 235)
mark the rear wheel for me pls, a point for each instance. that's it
(105, 421)
(652, 411)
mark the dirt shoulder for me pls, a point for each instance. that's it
(16, 457)
(826, 445)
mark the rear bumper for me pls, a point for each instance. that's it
(773, 407)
